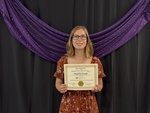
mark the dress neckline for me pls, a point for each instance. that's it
(66, 60)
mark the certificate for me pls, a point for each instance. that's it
(80, 76)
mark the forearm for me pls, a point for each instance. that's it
(100, 83)
(99, 86)
(60, 86)
(58, 83)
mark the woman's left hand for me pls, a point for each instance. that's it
(97, 88)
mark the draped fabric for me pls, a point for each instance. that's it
(50, 43)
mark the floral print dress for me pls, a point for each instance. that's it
(78, 101)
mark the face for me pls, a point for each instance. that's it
(79, 39)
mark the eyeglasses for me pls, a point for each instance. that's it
(76, 37)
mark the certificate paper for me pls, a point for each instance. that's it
(80, 76)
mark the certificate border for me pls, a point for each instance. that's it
(95, 66)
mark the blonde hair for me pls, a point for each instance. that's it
(88, 48)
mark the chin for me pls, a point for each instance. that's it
(80, 48)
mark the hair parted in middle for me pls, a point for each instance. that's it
(88, 48)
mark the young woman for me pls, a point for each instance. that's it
(79, 51)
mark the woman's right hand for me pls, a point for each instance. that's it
(62, 88)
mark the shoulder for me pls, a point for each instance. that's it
(62, 58)
(96, 58)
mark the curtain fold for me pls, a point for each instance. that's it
(50, 43)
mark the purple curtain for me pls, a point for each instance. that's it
(50, 43)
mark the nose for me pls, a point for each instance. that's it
(80, 38)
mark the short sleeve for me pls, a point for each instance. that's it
(60, 68)
(100, 67)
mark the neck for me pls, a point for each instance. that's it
(80, 54)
